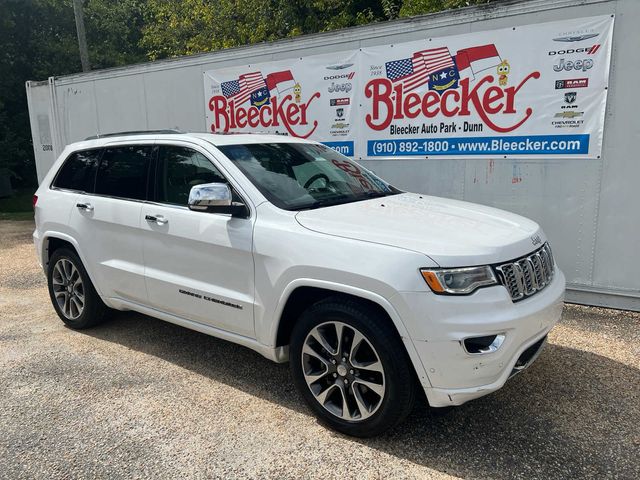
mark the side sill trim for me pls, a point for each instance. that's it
(279, 355)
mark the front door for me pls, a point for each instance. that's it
(198, 265)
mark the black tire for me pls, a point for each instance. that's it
(399, 378)
(94, 310)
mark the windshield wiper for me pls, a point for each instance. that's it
(375, 194)
(327, 202)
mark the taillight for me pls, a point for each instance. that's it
(35, 201)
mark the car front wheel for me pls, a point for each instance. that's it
(350, 366)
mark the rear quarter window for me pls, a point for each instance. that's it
(78, 172)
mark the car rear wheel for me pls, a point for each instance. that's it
(73, 295)
(350, 366)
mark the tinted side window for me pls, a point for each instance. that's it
(179, 169)
(79, 171)
(123, 172)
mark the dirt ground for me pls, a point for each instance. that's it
(140, 398)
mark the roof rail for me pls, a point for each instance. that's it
(134, 132)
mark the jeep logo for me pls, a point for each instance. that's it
(340, 87)
(569, 65)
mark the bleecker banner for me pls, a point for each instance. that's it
(527, 91)
(536, 90)
(311, 97)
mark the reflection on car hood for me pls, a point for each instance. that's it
(451, 232)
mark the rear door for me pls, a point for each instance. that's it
(198, 265)
(107, 221)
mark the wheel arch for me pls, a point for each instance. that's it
(54, 240)
(303, 293)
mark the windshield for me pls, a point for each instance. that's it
(297, 176)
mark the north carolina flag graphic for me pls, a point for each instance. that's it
(414, 72)
(240, 90)
(473, 60)
(283, 81)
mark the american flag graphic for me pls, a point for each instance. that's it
(414, 72)
(240, 90)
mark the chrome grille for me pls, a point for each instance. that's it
(527, 275)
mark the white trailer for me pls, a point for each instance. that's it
(587, 205)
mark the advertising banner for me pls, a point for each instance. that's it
(529, 91)
(310, 97)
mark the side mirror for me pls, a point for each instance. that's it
(215, 198)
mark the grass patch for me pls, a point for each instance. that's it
(16, 216)
(20, 202)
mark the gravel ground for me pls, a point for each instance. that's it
(140, 398)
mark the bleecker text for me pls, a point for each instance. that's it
(227, 115)
(390, 103)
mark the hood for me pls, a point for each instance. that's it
(451, 232)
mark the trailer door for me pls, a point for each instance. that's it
(39, 100)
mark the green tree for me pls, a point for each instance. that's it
(114, 32)
(34, 44)
(184, 27)
(176, 27)
(38, 40)
(419, 7)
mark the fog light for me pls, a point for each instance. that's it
(482, 345)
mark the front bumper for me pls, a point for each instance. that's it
(438, 325)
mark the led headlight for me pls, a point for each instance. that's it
(458, 281)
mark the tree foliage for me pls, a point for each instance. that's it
(33, 44)
(419, 7)
(184, 27)
(176, 27)
(38, 40)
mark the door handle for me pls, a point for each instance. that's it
(158, 219)
(87, 207)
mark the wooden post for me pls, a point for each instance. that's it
(82, 37)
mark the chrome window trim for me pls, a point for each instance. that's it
(184, 143)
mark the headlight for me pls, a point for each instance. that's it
(458, 281)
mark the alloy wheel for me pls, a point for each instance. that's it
(343, 371)
(68, 288)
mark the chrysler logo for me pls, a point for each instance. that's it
(536, 240)
(339, 67)
(575, 38)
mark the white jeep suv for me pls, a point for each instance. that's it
(291, 249)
